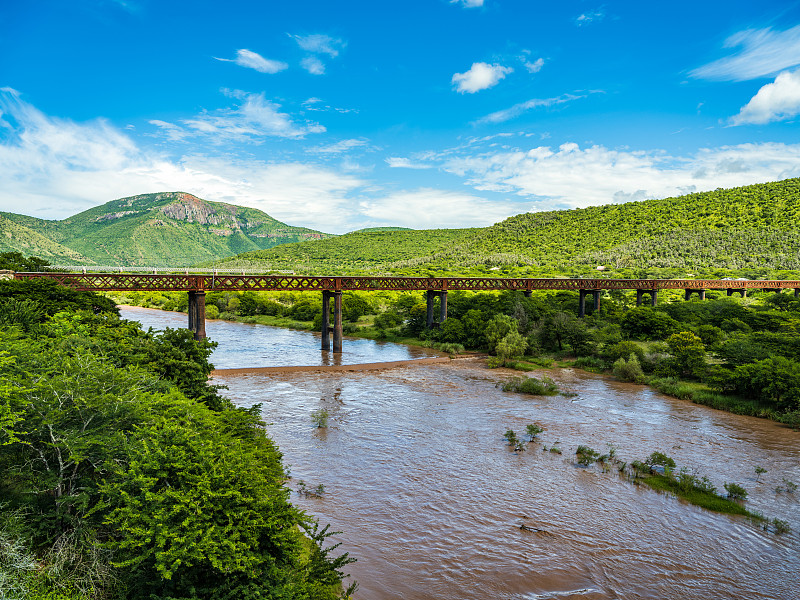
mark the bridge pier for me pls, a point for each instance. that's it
(741, 291)
(653, 296)
(326, 320)
(337, 320)
(429, 299)
(582, 301)
(197, 314)
(687, 293)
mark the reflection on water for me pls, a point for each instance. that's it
(432, 502)
(245, 345)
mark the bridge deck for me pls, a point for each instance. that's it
(141, 282)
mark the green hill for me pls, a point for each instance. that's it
(166, 229)
(15, 237)
(749, 230)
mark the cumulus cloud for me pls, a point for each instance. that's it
(516, 110)
(577, 177)
(253, 60)
(53, 168)
(253, 120)
(313, 65)
(763, 52)
(775, 101)
(427, 208)
(468, 3)
(480, 77)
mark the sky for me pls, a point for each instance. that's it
(413, 113)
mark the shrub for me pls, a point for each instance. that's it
(736, 492)
(533, 430)
(586, 456)
(530, 385)
(320, 417)
(630, 370)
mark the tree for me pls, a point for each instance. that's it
(647, 323)
(498, 328)
(688, 351)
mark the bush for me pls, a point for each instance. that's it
(736, 492)
(530, 385)
(586, 456)
(630, 370)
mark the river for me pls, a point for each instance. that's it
(431, 500)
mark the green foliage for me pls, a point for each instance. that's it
(533, 430)
(647, 323)
(736, 492)
(52, 298)
(128, 486)
(16, 261)
(630, 370)
(746, 230)
(586, 456)
(531, 385)
(320, 417)
(688, 352)
(775, 380)
(511, 437)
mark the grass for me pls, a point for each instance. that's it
(703, 499)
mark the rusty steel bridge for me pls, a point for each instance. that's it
(332, 287)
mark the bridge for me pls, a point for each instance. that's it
(196, 285)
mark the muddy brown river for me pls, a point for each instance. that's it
(432, 501)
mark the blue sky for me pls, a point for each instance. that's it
(435, 113)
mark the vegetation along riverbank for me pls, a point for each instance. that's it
(125, 474)
(733, 354)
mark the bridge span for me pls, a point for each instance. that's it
(196, 285)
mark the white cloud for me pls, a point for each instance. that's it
(468, 3)
(339, 147)
(253, 120)
(535, 66)
(397, 162)
(428, 208)
(516, 110)
(480, 77)
(590, 17)
(313, 65)
(319, 44)
(573, 177)
(775, 101)
(763, 52)
(252, 60)
(53, 168)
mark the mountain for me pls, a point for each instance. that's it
(165, 229)
(750, 230)
(15, 237)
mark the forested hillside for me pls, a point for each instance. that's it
(167, 229)
(16, 237)
(750, 230)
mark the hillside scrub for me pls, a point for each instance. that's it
(749, 231)
(124, 474)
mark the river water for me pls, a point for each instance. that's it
(431, 500)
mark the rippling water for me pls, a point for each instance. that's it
(431, 500)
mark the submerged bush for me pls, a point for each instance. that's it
(530, 385)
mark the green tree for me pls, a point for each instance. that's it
(688, 351)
